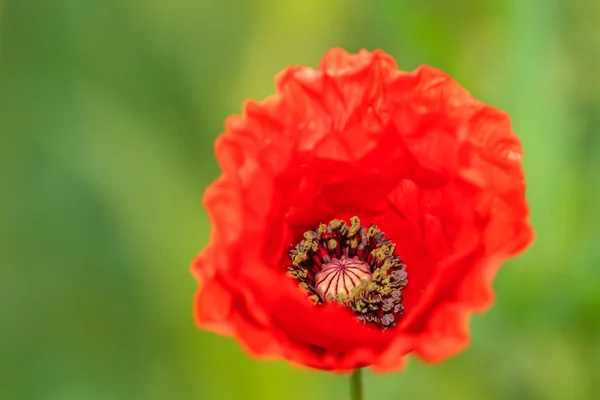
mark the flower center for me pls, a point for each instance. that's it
(339, 277)
(354, 266)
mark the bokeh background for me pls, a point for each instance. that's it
(108, 111)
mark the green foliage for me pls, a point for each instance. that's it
(108, 111)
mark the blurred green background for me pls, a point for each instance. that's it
(108, 111)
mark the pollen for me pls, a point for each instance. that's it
(353, 266)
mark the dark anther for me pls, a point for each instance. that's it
(352, 265)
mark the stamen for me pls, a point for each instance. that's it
(354, 266)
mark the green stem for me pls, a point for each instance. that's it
(356, 385)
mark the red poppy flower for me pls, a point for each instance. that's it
(361, 215)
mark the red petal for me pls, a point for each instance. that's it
(439, 172)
